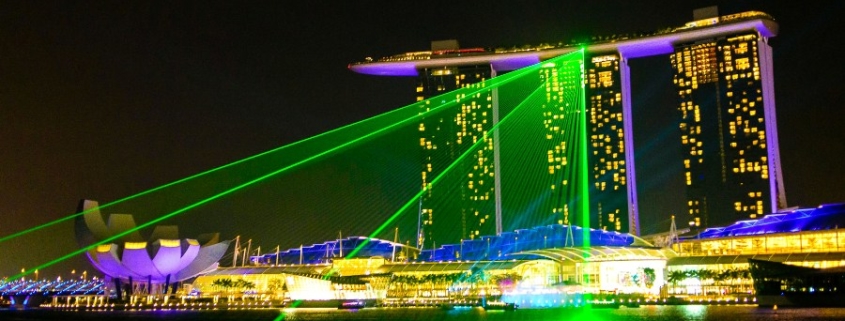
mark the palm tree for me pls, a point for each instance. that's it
(276, 285)
(223, 284)
(649, 277)
(675, 277)
(244, 284)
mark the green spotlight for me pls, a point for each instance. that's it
(414, 115)
(464, 155)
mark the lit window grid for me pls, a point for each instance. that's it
(607, 142)
(558, 82)
(795, 242)
(735, 61)
(468, 125)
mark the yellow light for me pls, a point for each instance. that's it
(135, 245)
(171, 243)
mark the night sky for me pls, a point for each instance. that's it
(102, 100)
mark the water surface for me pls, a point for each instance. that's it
(644, 313)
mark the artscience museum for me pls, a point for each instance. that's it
(139, 264)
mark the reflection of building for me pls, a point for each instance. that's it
(788, 285)
(141, 265)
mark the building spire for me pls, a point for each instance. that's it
(673, 234)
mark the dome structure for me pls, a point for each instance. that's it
(162, 258)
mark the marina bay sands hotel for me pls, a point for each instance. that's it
(723, 80)
(725, 105)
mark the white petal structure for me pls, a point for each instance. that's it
(163, 258)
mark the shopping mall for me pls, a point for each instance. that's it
(543, 264)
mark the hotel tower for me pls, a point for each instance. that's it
(728, 129)
(727, 126)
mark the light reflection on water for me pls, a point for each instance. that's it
(643, 313)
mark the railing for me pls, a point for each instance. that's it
(427, 55)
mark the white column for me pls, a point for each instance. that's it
(628, 132)
(767, 79)
(497, 177)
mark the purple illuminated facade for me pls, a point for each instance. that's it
(161, 259)
(608, 90)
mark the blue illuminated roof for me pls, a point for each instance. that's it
(326, 251)
(488, 247)
(58, 287)
(508, 244)
(824, 217)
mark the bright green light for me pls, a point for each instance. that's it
(339, 139)
(411, 110)
(583, 168)
(582, 188)
(404, 114)
(209, 199)
(408, 114)
(584, 193)
(474, 147)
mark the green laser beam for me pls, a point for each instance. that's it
(471, 90)
(411, 107)
(450, 167)
(584, 195)
(304, 161)
(433, 183)
(204, 201)
(440, 176)
(216, 169)
(420, 193)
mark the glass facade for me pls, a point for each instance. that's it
(723, 130)
(608, 178)
(724, 81)
(557, 119)
(779, 243)
(717, 259)
(445, 137)
(451, 133)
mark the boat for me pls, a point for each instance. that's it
(499, 305)
(784, 285)
(603, 304)
(355, 304)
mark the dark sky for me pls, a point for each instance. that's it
(106, 99)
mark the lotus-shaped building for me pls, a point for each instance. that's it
(163, 258)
